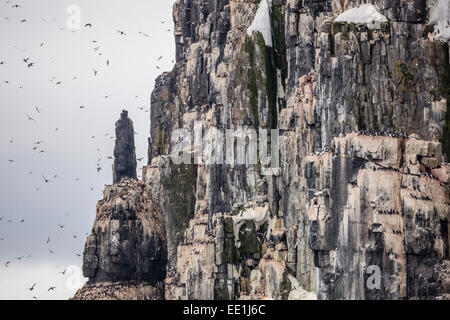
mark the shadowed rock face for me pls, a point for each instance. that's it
(124, 151)
(128, 238)
(125, 255)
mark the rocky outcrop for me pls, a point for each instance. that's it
(124, 150)
(128, 238)
(125, 255)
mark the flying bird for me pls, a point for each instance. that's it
(88, 25)
(29, 118)
(144, 34)
(121, 33)
(32, 287)
(51, 288)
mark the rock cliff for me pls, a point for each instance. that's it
(358, 205)
(125, 255)
(124, 150)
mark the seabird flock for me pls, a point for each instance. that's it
(35, 112)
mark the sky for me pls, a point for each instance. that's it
(63, 143)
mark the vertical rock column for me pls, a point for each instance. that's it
(125, 255)
(124, 151)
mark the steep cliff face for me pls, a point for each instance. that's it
(342, 202)
(358, 206)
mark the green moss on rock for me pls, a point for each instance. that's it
(443, 70)
(248, 239)
(253, 75)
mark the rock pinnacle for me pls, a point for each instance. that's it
(124, 150)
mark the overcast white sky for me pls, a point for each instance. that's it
(72, 151)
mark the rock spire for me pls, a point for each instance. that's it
(124, 150)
